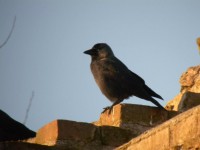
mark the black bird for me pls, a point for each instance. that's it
(115, 80)
(12, 130)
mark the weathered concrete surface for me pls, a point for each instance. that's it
(189, 100)
(179, 133)
(137, 118)
(125, 122)
(78, 135)
(60, 131)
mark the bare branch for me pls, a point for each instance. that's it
(4, 43)
(29, 106)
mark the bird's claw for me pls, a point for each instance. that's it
(107, 108)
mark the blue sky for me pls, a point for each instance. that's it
(155, 39)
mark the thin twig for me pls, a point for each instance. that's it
(29, 106)
(4, 43)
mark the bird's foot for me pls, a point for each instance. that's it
(109, 108)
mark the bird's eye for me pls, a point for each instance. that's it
(97, 49)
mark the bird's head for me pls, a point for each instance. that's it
(100, 51)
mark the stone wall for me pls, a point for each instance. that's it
(179, 133)
(190, 89)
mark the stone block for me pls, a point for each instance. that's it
(64, 131)
(183, 130)
(179, 133)
(157, 140)
(137, 118)
(189, 100)
(114, 136)
(190, 81)
(76, 135)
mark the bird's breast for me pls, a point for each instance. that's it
(108, 80)
(99, 75)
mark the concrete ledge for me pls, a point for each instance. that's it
(78, 135)
(126, 122)
(181, 132)
(63, 131)
(137, 118)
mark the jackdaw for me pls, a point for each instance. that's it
(115, 80)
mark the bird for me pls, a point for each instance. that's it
(114, 78)
(12, 130)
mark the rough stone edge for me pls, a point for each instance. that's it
(194, 111)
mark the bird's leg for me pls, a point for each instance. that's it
(109, 108)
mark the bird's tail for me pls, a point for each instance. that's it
(152, 93)
(157, 104)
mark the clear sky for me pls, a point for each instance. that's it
(155, 39)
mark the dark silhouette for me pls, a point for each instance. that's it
(115, 80)
(11, 130)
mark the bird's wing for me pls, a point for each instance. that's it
(119, 77)
(119, 72)
(137, 77)
(131, 76)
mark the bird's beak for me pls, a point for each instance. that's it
(89, 52)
